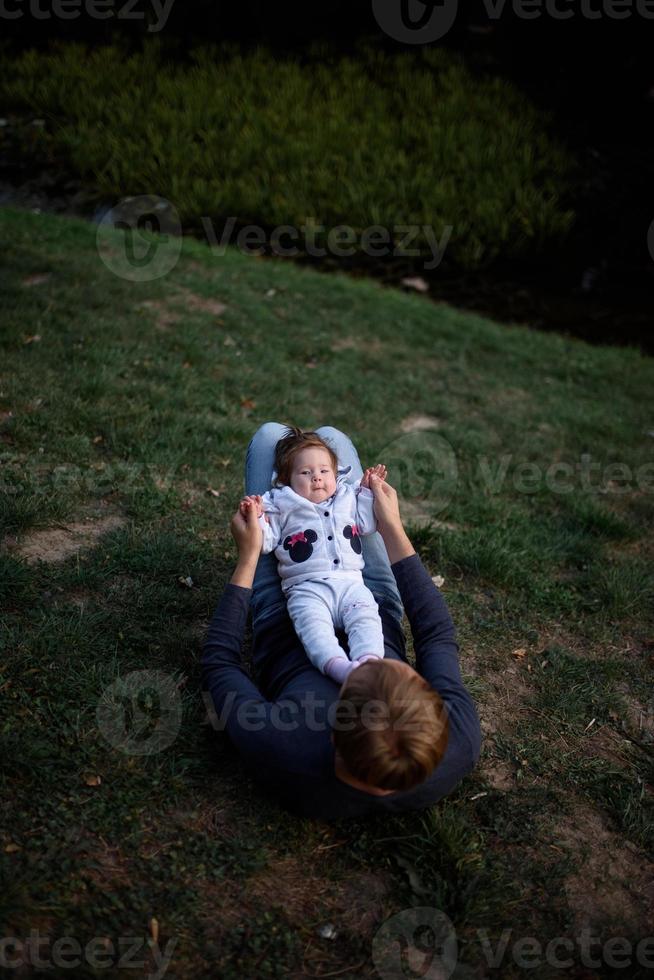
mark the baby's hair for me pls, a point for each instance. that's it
(390, 729)
(293, 443)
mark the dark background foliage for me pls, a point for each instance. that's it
(595, 73)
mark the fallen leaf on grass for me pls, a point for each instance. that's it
(93, 780)
(438, 581)
(248, 404)
(519, 653)
(11, 848)
(214, 493)
(186, 581)
(34, 339)
(36, 280)
(154, 930)
(417, 283)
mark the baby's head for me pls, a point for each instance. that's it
(307, 464)
(391, 726)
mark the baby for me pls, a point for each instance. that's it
(313, 520)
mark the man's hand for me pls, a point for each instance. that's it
(387, 507)
(379, 471)
(246, 530)
(389, 522)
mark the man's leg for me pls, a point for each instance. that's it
(267, 596)
(377, 574)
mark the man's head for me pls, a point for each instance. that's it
(306, 463)
(390, 727)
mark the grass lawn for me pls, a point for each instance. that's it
(125, 411)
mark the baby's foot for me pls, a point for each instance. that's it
(367, 656)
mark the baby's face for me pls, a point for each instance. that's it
(313, 476)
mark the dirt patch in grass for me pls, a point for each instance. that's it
(356, 905)
(419, 423)
(164, 317)
(56, 544)
(80, 597)
(357, 343)
(418, 513)
(107, 865)
(288, 884)
(350, 912)
(612, 889)
(214, 819)
(637, 720)
(171, 311)
(502, 702)
(507, 397)
(499, 774)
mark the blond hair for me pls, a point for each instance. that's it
(390, 726)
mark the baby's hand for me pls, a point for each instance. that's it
(252, 500)
(379, 470)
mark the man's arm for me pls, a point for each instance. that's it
(435, 645)
(235, 703)
(434, 635)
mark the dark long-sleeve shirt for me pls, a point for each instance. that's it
(282, 728)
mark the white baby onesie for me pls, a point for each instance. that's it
(318, 548)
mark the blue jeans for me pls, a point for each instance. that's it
(267, 596)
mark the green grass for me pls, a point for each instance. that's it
(120, 410)
(270, 142)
